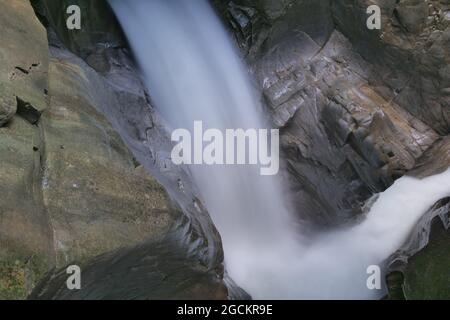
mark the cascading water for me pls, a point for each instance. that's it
(194, 73)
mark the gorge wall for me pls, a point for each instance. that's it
(71, 189)
(357, 109)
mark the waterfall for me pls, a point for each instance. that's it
(193, 73)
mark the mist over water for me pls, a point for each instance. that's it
(193, 72)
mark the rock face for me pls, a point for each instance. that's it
(127, 273)
(410, 54)
(8, 107)
(71, 189)
(95, 197)
(25, 233)
(357, 107)
(99, 28)
(433, 261)
(435, 160)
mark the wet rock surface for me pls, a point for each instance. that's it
(25, 233)
(357, 108)
(8, 108)
(157, 270)
(71, 189)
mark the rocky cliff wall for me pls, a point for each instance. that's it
(357, 108)
(71, 188)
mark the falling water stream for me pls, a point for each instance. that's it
(193, 72)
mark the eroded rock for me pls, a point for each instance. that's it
(99, 29)
(70, 187)
(8, 107)
(25, 233)
(419, 269)
(434, 161)
(410, 53)
(357, 108)
(156, 270)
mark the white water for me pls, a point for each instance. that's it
(193, 73)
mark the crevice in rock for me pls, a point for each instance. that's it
(22, 70)
(27, 111)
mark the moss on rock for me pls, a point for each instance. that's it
(427, 275)
(98, 24)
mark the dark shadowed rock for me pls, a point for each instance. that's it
(156, 270)
(25, 233)
(420, 268)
